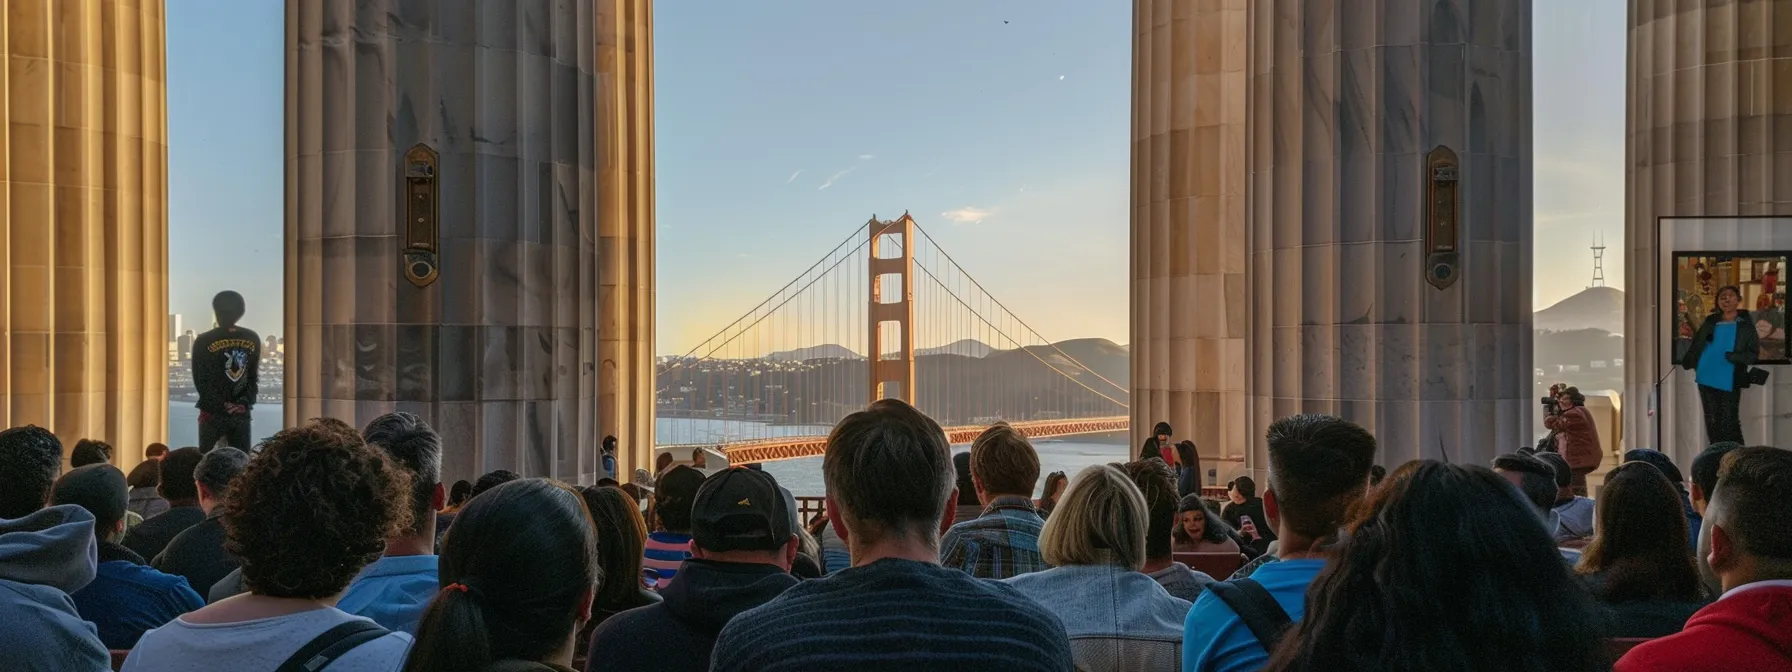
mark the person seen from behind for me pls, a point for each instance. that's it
(1118, 618)
(393, 590)
(1188, 469)
(669, 545)
(1574, 513)
(1318, 469)
(197, 553)
(1055, 483)
(46, 554)
(1749, 628)
(182, 492)
(1666, 466)
(742, 546)
(518, 573)
(1443, 567)
(226, 373)
(1003, 541)
(889, 480)
(126, 597)
(89, 451)
(1245, 513)
(298, 552)
(609, 455)
(1536, 482)
(1639, 564)
(1577, 437)
(1704, 485)
(1200, 530)
(1157, 485)
(143, 479)
(621, 541)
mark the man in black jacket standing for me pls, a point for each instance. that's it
(226, 361)
(743, 547)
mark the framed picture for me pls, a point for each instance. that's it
(1698, 275)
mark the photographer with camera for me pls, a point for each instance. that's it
(1722, 351)
(1577, 438)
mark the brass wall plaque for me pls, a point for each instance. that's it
(420, 263)
(1443, 260)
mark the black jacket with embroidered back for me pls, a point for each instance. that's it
(225, 365)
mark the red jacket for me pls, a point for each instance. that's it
(1746, 632)
(1577, 438)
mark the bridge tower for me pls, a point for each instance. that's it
(891, 351)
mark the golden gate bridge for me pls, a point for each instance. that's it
(886, 313)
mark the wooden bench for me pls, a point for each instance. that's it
(118, 656)
(1217, 565)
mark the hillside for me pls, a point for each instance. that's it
(969, 347)
(829, 351)
(1599, 308)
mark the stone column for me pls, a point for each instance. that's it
(498, 352)
(625, 249)
(1188, 197)
(84, 140)
(1709, 130)
(1347, 98)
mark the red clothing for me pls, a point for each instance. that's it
(1577, 438)
(1749, 632)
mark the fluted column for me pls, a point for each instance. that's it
(1709, 134)
(1188, 262)
(1347, 99)
(498, 352)
(625, 249)
(85, 244)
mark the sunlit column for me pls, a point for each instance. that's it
(624, 144)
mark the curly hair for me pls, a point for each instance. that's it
(313, 509)
(30, 461)
(89, 451)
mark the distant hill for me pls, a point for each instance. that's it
(969, 347)
(829, 351)
(1599, 308)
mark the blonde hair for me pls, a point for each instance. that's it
(1099, 521)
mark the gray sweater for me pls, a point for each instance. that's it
(44, 557)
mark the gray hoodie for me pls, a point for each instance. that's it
(44, 557)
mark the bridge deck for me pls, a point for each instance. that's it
(797, 447)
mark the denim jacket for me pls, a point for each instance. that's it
(1118, 619)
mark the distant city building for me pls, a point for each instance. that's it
(185, 345)
(174, 326)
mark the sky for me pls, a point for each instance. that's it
(781, 125)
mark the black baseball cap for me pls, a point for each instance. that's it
(739, 509)
(99, 488)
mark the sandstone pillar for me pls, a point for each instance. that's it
(1709, 134)
(1347, 98)
(498, 351)
(1188, 196)
(624, 144)
(85, 245)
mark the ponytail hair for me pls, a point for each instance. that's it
(517, 571)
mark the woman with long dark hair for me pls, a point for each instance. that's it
(1725, 345)
(1054, 488)
(1444, 567)
(621, 542)
(518, 572)
(1639, 563)
(1188, 469)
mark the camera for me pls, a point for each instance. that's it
(1550, 406)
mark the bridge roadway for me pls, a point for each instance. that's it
(797, 447)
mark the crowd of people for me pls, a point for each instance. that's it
(332, 548)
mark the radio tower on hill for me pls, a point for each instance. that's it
(1598, 261)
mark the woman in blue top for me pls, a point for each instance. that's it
(1722, 350)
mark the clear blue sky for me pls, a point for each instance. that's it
(1008, 141)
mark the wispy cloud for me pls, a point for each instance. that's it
(867, 157)
(799, 171)
(966, 215)
(833, 178)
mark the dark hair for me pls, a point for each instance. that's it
(1377, 474)
(1190, 456)
(514, 571)
(889, 468)
(177, 474)
(490, 480)
(621, 543)
(673, 496)
(609, 444)
(1641, 546)
(291, 541)
(961, 479)
(1052, 480)
(1217, 530)
(1659, 459)
(607, 482)
(1443, 568)
(1559, 464)
(460, 493)
(30, 460)
(218, 468)
(1246, 487)
(1705, 466)
(1536, 479)
(1574, 394)
(1733, 289)
(98, 488)
(1158, 485)
(1004, 461)
(1161, 429)
(155, 450)
(417, 449)
(1318, 466)
(89, 451)
(663, 462)
(229, 307)
(147, 474)
(1755, 501)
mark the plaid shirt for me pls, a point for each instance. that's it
(1002, 543)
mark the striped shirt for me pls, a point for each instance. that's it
(895, 614)
(666, 551)
(1000, 544)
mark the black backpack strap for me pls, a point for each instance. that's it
(1259, 609)
(332, 644)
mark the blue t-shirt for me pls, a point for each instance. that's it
(126, 599)
(1715, 370)
(1215, 639)
(393, 591)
